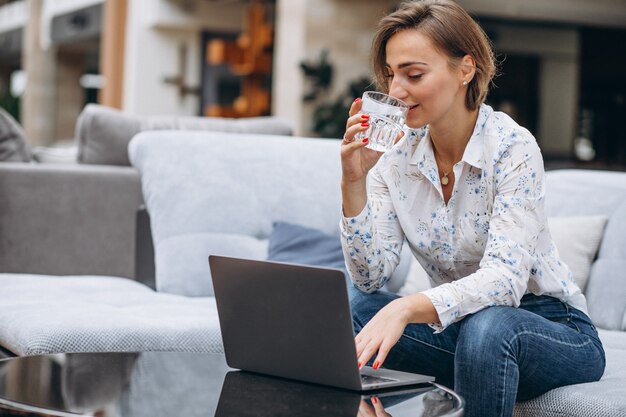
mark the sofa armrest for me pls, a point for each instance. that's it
(68, 219)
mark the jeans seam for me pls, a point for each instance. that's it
(428, 344)
(508, 358)
(506, 368)
(588, 341)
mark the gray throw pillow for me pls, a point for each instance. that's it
(298, 244)
(13, 146)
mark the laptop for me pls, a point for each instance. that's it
(293, 321)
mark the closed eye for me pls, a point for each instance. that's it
(415, 77)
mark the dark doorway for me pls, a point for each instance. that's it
(516, 89)
(603, 93)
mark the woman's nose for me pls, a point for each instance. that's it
(396, 90)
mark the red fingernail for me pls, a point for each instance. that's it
(365, 124)
(376, 365)
(357, 99)
(374, 400)
(365, 140)
(359, 364)
(365, 116)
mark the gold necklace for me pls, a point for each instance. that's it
(444, 179)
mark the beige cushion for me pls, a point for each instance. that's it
(578, 239)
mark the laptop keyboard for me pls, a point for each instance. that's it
(368, 379)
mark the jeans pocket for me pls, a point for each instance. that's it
(571, 323)
(584, 323)
(571, 317)
(550, 308)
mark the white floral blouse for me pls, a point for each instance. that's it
(488, 246)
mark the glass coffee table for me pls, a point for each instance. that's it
(168, 384)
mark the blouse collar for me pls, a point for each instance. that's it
(424, 155)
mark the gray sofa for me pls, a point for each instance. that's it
(79, 218)
(210, 192)
(61, 220)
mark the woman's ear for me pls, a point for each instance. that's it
(468, 69)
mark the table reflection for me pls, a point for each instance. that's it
(92, 382)
(268, 396)
(176, 384)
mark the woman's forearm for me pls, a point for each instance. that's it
(420, 309)
(353, 197)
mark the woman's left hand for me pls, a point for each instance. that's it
(382, 332)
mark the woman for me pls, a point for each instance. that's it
(465, 187)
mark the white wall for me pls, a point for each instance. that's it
(344, 27)
(156, 30)
(59, 7)
(52, 8)
(13, 16)
(289, 50)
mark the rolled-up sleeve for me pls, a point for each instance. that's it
(372, 241)
(514, 228)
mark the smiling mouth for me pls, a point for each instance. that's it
(413, 107)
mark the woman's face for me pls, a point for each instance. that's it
(421, 76)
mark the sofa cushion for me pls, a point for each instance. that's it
(417, 279)
(13, 146)
(613, 339)
(613, 242)
(230, 184)
(606, 294)
(101, 314)
(182, 265)
(103, 133)
(587, 192)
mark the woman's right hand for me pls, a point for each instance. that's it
(356, 159)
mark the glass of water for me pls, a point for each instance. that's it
(387, 117)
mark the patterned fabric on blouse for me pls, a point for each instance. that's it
(488, 246)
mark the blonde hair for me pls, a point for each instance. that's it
(453, 32)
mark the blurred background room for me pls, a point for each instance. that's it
(563, 65)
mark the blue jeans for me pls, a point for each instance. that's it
(498, 355)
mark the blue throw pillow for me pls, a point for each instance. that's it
(293, 243)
